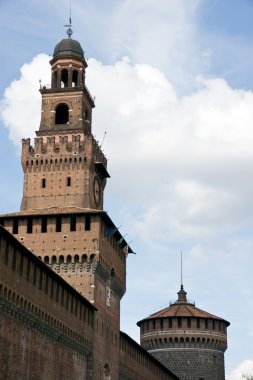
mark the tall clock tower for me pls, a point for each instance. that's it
(67, 167)
(62, 220)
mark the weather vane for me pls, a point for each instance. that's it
(69, 25)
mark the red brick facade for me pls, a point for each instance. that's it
(62, 260)
(46, 327)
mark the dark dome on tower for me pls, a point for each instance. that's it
(68, 47)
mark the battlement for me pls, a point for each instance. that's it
(69, 147)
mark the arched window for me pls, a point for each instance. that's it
(62, 114)
(68, 259)
(74, 78)
(54, 79)
(64, 78)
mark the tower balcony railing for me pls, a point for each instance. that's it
(176, 302)
(48, 86)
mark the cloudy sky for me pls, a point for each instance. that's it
(173, 82)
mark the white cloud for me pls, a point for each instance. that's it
(181, 166)
(161, 33)
(243, 372)
(186, 160)
(181, 170)
(20, 107)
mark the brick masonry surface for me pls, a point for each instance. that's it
(62, 273)
(193, 364)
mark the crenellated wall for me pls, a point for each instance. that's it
(46, 327)
(61, 169)
(136, 363)
(77, 247)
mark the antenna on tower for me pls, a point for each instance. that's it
(69, 25)
(181, 269)
(103, 140)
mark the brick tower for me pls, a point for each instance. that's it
(62, 219)
(66, 165)
(187, 340)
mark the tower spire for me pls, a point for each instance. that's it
(181, 270)
(69, 25)
(182, 293)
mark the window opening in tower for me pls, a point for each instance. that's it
(62, 114)
(64, 78)
(74, 78)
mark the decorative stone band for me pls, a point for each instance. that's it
(94, 267)
(187, 333)
(180, 349)
(33, 322)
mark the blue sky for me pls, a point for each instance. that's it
(173, 84)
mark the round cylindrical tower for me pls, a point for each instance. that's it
(189, 341)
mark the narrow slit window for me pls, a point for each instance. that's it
(58, 224)
(15, 226)
(68, 181)
(87, 223)
(29, 225)
(44, 224)
(73, 223)
(43, 183)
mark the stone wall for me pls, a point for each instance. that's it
(192, 364)
(46, 327)
(138, 364)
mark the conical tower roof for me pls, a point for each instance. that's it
(182, 308)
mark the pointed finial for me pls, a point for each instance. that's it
(182, 293)
(181, 270)
(69, 25)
